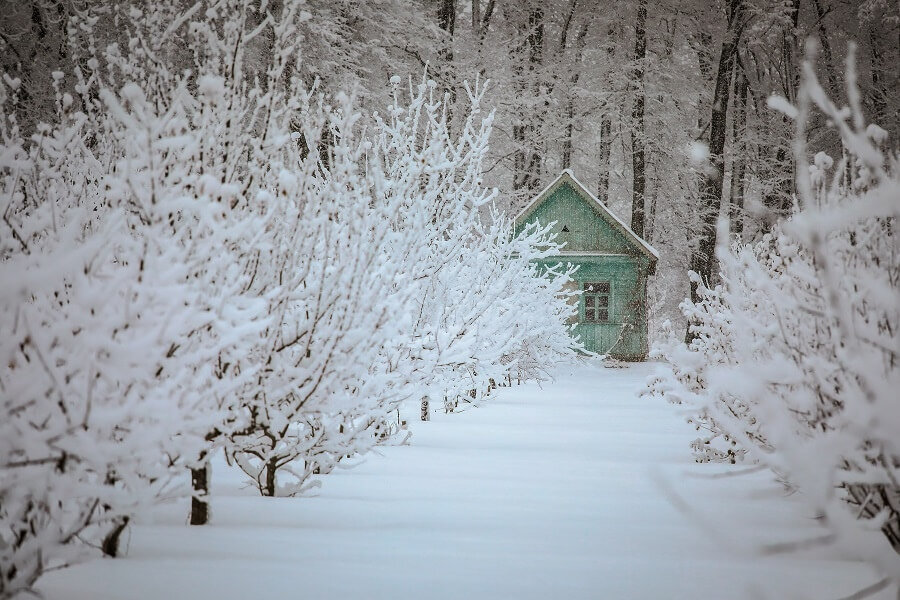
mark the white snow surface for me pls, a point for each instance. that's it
(562, 490)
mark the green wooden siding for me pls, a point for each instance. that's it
(608, 256)
(588, 231)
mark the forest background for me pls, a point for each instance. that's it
(660, 107)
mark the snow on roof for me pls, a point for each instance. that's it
(568, 177)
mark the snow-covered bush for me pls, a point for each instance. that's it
(402, 289)
(121, 301)
(201, 251)
(795, 362)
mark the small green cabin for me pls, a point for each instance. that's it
(613, 266)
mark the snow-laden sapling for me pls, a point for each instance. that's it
(795, 359)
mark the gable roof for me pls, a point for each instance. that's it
(567, 177)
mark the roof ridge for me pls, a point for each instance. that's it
(567, 173)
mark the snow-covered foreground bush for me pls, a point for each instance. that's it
(201, 251)
(795, 362)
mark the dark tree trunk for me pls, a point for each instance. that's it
(527, 155)
(536, 58)
(605, 148)
(481, 31)
(704, 63)
(703, 259)
(833, 85)
(826, 137)
(879, 90)
(789, 52)
(570, 98)
(110, 544)
(638, 134)
(447, 23)
(605, 133)
(271, 468)
(779, 202)
(486, 19)
(200, 480)
(738, 151)
(570, 129)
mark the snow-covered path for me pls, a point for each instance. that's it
(539, 493)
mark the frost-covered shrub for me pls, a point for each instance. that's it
(121, 301)
(795, 361)
(203, 252)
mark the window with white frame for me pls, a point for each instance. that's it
(596, 302)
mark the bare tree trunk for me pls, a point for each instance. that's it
(704, 63)
(789, 52)
(570, 97)
(535, 57)
(779, 202)
(605, 148)
(527, 157)
(200, 480)
(738, 149)
(879, 90)
(605, 135)
(833, 85)
(271, 468)
(481, 30)
(703, 259)
(638, 133)
(476, 15)
(447, 23)
(110, 545)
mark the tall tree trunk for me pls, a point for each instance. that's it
(605, 131)
(879, 90)
(738, 151)
(780, 202)
(536, 58)
(527, 156)
(703, 259)
(831, 74)
(790, 48)
(570, 97)
(605, 149)
(447, 23)
(704, 63)
(481, 33)
(200, 480)
(638, 133)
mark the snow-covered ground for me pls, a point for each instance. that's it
(569, 490)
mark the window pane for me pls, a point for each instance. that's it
(589, 315)
(602, 300)
(588, 287)
(589, 301)
(603, 316)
